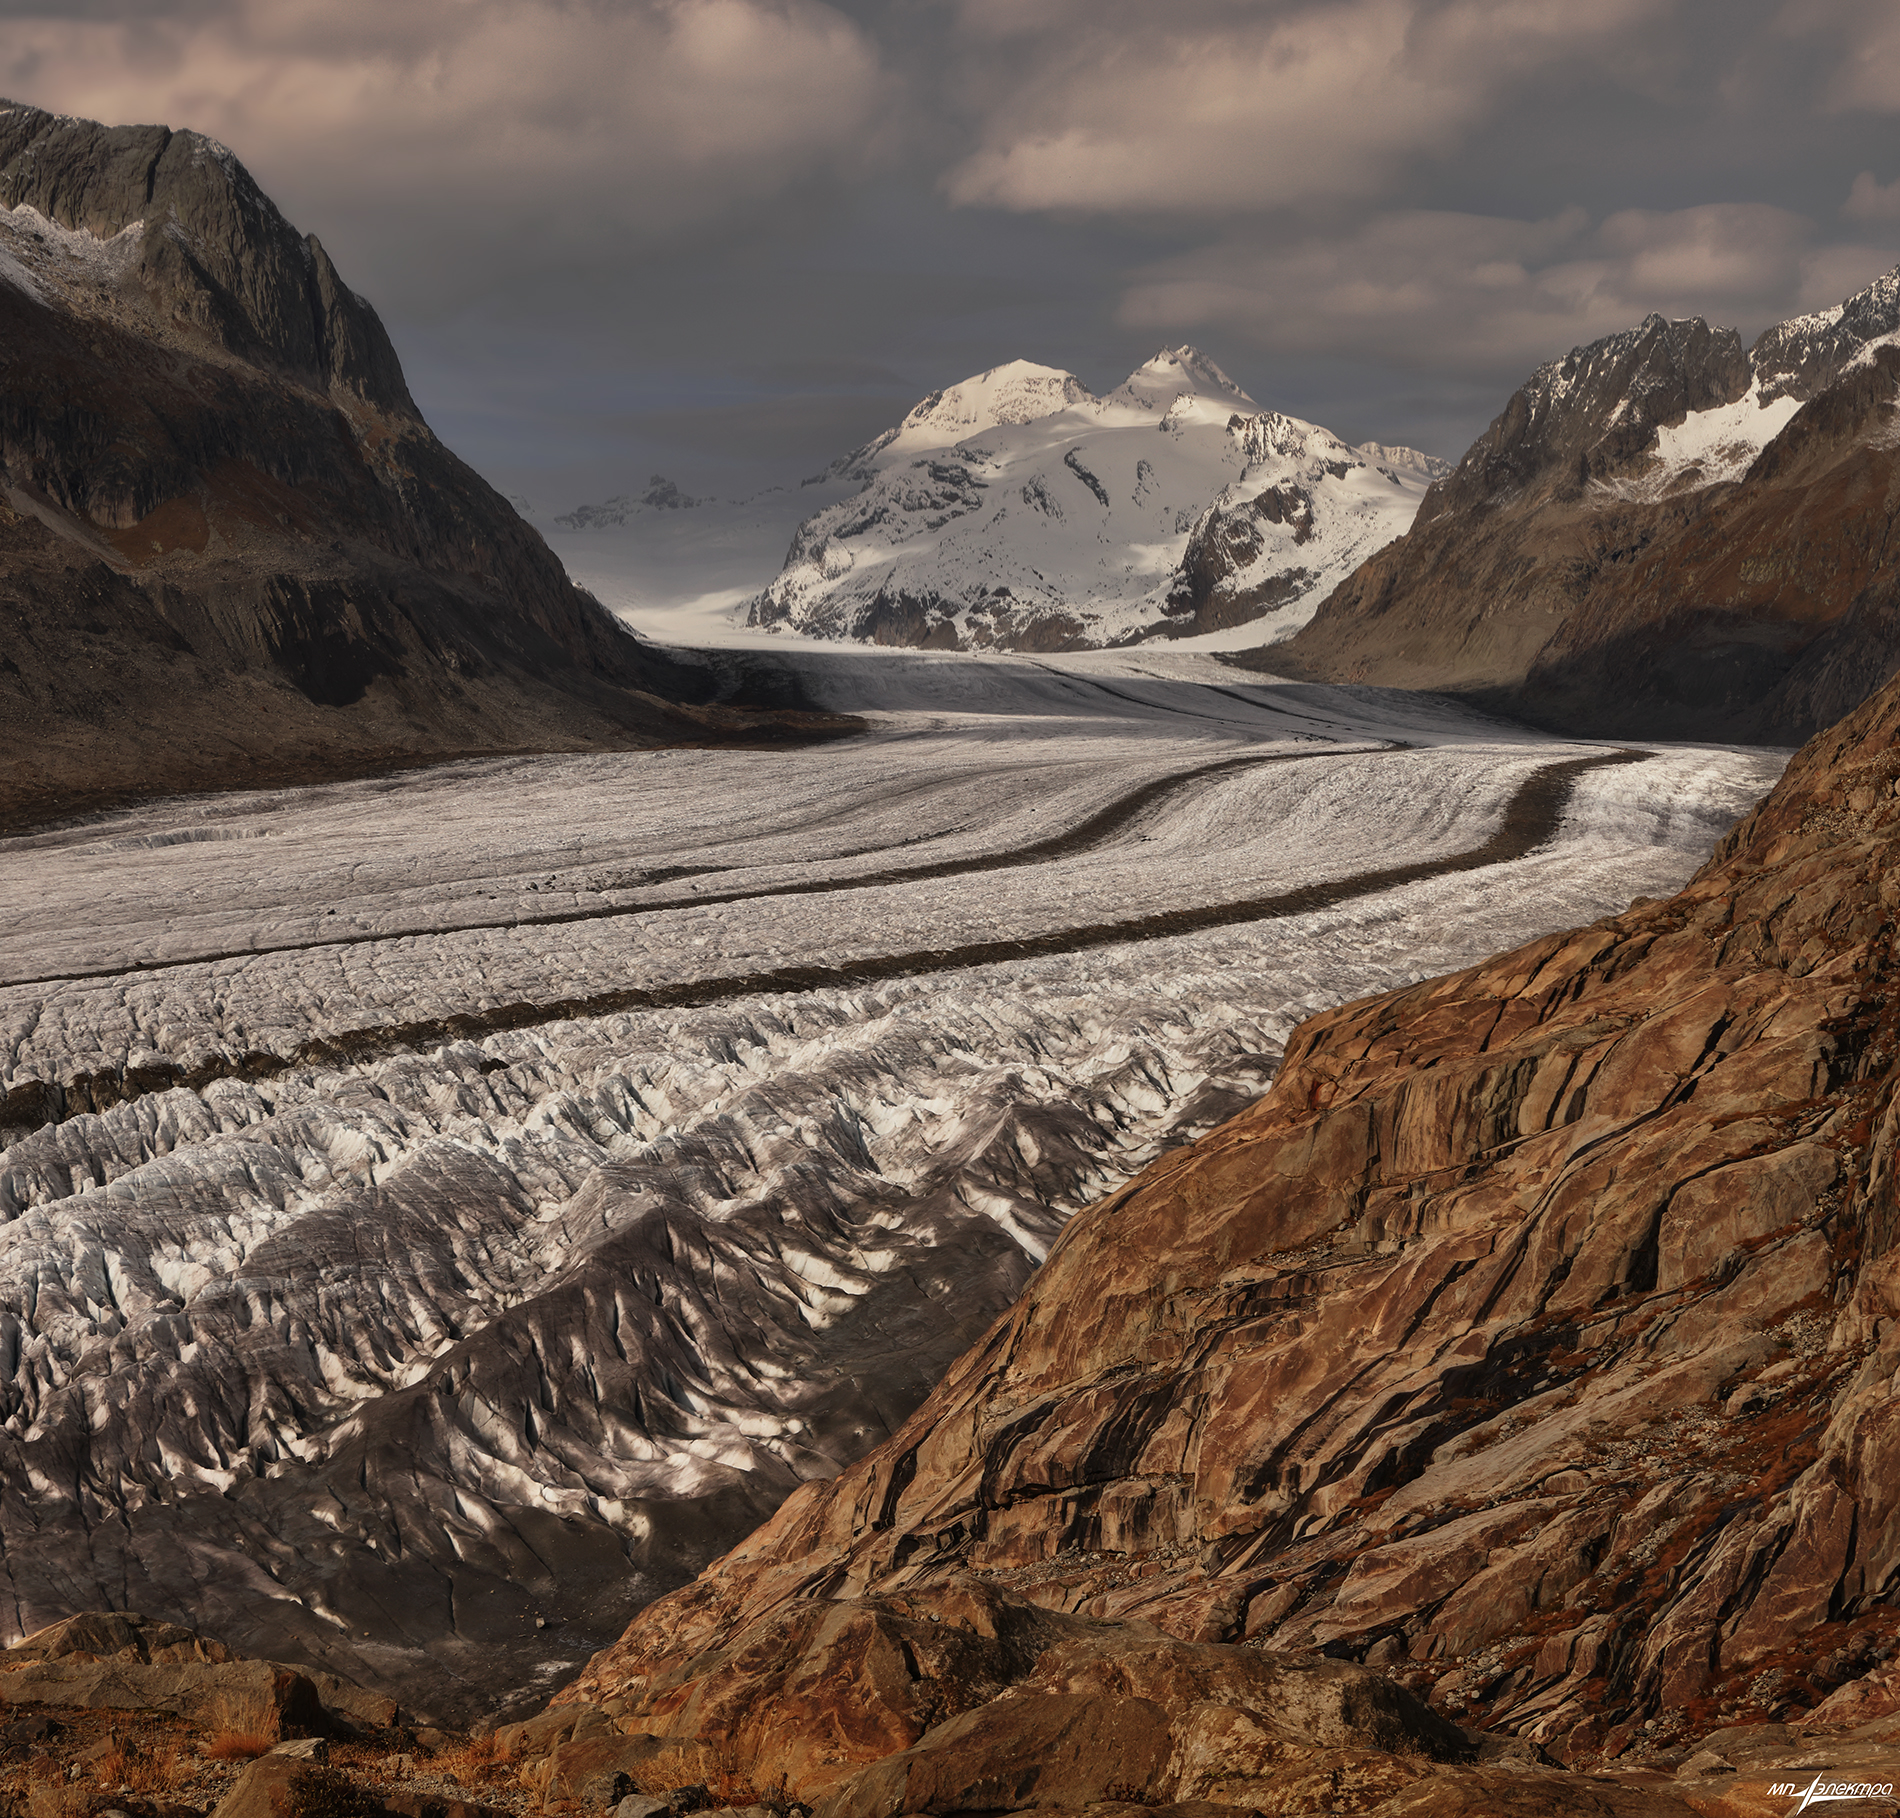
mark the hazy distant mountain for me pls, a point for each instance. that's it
(661, 495)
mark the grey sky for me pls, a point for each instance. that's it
(727, 239)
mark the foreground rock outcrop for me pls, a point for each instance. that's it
(1533, 1342)
(231, 551)
(113, 1715)
(113, 1661)
(1662, 535)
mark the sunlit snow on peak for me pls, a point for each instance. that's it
(1178, 372)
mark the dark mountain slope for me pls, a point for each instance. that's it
(1662, 535)
(230, 549)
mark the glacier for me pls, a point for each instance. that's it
(446, 1209)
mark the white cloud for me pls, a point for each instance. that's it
(1486, 296)
(1866, 35)
(1869, 200)
(1231, 104)
(632, 118)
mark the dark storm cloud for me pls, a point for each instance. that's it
(725, 235)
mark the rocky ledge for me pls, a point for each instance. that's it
(110, 1715)
(1529, 1350)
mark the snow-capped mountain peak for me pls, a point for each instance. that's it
(1018, 511)
(1017, 392)
(1802, 357)
(1180, 385)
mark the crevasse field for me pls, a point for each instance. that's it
(530, 1170)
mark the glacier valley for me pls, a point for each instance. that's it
(448, 1209)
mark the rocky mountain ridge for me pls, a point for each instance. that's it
(179, 217)
(234, 553)
(1533, 1341)
(661, 494)
(1663, 534)
(1018, 511)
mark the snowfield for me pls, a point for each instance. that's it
(467, 1199)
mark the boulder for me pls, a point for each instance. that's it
(1501, 1795)
(433, 1805)
(597, 1768)
(266, 1780)
(352, 1705)
(1874, 1694)
(253, 1697)
(107, 1634)
(1022, 1749)
(536, 1736)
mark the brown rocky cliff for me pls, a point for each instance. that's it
(1534, 1340)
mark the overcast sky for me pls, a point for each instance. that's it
(729, 239)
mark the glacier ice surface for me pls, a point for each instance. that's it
(369, 1351)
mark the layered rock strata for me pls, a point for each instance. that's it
(1533, 1341)
(231, 551)
(1663, 534)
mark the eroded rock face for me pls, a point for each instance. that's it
(961, 1697)
(1534, 1340)
(233, 553)
(1661, 535)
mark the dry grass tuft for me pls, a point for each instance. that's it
(237, 1745)
(158, 1767)
(475, 1762)
(161, 1769)
(115, 1765)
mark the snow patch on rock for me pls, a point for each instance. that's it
(1707, 447)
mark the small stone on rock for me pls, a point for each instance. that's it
(304, 1748)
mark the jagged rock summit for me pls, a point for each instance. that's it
(1533, 1342)
(177, 215)
(233, 552)
(1663, 534)
(1019, 511)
